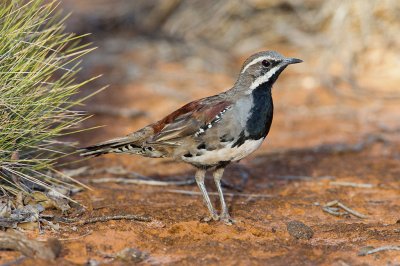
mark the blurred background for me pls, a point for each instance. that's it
(157, 55)
(335, 134)
(334, 139)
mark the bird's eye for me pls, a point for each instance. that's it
(266, 63)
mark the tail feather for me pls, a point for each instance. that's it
(129, 144)
(110, 146)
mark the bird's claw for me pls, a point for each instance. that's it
(213, 217)
(226, 219)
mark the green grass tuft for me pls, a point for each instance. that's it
(38, 65)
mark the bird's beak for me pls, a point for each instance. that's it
(292, 61)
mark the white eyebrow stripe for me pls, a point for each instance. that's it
(255, 61)
(262, 79)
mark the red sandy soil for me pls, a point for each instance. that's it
(290, 177)
(316, 139)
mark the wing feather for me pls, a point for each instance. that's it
(186, 121)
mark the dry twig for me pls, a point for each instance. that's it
(134, 178)
(365, 252)
(30, 248)
(117, 217)
(350, 184)
(195, 193)
(333, 206)
(142, 182)
(104, 219)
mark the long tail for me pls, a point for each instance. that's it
(112, 146)
(129, 144)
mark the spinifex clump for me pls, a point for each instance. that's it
(38, 63)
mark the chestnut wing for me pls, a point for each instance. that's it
(186, 121)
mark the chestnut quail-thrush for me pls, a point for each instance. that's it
(211, 132)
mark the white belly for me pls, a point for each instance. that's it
(225, 154)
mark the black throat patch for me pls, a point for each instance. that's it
(261, 113)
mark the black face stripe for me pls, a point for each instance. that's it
(265, 70)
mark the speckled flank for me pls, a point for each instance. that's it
(225, 154)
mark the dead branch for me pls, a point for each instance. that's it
(104, 219)
(334, 211)
(117, 217)
(31, 248)
(195, 193)
(142, 182)
(136, 178)
(350, 184)
(115, 170)
(76, 172)
(306, 178)
(331, 207)
(375, 250)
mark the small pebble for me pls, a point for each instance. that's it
(299, 230)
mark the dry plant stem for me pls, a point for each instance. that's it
(375, 250)
(117, 217)
(333, 212)
(344, 207)
(142, 182)
(350, 184)
(116, 170)
(105, 219)
(195, 193)
(30, 248)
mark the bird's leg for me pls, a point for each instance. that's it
(200, 174)
(225, 217)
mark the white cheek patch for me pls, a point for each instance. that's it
(264, 78)
(255, 61)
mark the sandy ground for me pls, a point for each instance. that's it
(317, 143)
(289, 179)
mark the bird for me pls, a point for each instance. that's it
(211, 132)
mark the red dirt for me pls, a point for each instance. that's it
(293, 171)
(259, 236)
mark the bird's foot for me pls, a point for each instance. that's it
(226, 219)
(213, 217)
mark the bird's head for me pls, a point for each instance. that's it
(263, 68)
